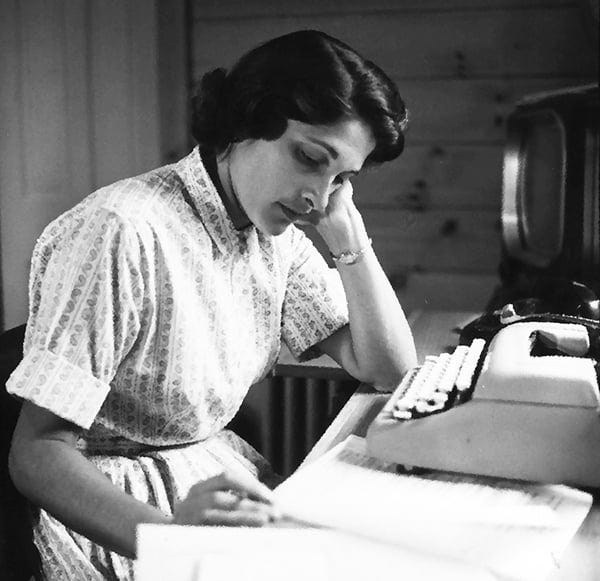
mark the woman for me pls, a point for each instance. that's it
(157, 301)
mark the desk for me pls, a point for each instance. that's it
(433, 332)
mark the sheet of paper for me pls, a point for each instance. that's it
(516, 530)
(273, 554)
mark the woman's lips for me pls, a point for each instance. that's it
(290, 214)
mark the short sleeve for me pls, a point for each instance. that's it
(86, 291)
(315, 303)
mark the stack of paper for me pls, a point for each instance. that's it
(516, 530)
(376, 524)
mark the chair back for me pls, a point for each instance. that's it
(19, 560)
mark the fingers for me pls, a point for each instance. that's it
(244, 485)
(239, 512)
(345, 190)
(227, 499)
(223, 508)
(242, 514)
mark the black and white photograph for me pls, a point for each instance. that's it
(299, 290)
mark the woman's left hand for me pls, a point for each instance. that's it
(337, 207)
(340, 225)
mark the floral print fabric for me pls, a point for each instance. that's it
(150, 317)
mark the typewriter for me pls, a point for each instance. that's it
(522, 404)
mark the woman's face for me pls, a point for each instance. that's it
(279, 182)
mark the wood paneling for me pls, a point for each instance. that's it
(467, 111)
(236, 9)
(444, 240)
(433, 176)
(446, 290)
(452, 44)
(437, 240)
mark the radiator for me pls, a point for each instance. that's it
(283, 417)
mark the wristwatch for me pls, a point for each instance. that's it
(351, 256)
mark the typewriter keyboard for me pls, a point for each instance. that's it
(441, 382)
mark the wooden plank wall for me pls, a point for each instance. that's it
(460, 65)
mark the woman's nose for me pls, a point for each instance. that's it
(318, 196)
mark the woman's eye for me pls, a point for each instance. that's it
(308, 159)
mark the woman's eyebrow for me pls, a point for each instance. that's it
(332, 151)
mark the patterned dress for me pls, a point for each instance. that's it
(150, 317)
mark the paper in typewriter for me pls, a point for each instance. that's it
(515, 530)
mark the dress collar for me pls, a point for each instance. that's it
(202, 195)
(232, 204)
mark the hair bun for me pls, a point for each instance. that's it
(210, 110)
(212, 84)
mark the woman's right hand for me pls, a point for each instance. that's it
(227, 499)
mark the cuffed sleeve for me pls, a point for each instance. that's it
(86, 291)
(53, 383)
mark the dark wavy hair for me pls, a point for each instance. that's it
(307, 76)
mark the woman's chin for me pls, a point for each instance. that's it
(276, 229)
(273, 227)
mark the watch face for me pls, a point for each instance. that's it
(351, 256)
(348, 258)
